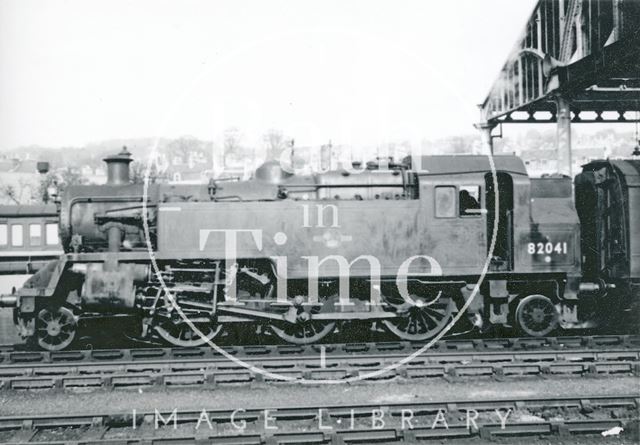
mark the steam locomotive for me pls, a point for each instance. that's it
(413, 247)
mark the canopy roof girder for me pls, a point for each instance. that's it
(573, 48)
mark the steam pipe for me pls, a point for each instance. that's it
(114, 237)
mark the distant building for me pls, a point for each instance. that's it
(544, 160)
(93, 175)
(583, 155)
(540, 162)
(19, 181)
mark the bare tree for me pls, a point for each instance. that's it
(138, 172)
(184, 147)
(9, 191)
(232, 142)
(60, 179)
(71, 176)
(42, 193)
(274, 142)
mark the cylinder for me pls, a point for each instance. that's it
(8, 300)
(590, 287)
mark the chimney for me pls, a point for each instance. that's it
(43, 167)
(118, 167)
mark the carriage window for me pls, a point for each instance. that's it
(469, 200)
(52, 234)
(16, 236)
(445, 202)
(35, 234)
(4, 235)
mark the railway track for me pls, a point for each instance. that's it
(389, 423)
(9, 354)
(506, 358)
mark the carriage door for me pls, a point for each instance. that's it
(502, 259)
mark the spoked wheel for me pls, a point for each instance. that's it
(420, 319)
(55, 328)
(537, 315)
(183, 335)
(303, 332)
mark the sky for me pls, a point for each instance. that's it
(358, 72)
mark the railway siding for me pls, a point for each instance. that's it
(395, 422)
(169, 371)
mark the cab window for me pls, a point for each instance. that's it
(445, 202)
(469, 199)
(4, 235)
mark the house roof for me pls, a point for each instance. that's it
(28, 210)
(27, 166)
(18, 166)
(6, 165)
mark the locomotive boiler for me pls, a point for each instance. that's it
(408, 246)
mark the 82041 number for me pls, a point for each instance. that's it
(547, 248)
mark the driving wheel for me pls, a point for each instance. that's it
(537, 315)
(421, 318)
(55, 328)
(181, 334)
(303, 332)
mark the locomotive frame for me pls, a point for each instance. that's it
(313, 251)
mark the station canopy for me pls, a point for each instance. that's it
(586, 51)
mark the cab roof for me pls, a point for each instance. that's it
(461, 164)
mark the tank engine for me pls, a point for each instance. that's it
(407, 246)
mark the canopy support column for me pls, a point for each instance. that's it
(563, 135)
(486, 138)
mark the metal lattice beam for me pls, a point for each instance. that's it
(594, 105)
(588, 51)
